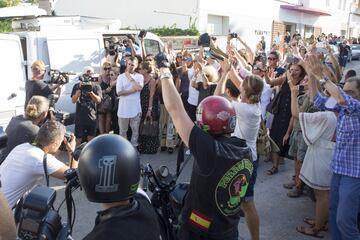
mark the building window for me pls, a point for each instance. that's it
(218, 25)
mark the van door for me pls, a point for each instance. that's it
(71, 52)
(12, 90)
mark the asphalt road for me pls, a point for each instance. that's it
(279, 214)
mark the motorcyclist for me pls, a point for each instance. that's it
(109, 172)
(222, 166)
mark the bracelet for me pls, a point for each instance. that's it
(165, 75)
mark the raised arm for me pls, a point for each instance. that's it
(269, 78)
(174, 106)
(335, 63)
(250, 52)
(315, 70)
(235, 77)
(294, 100)
(220, 88)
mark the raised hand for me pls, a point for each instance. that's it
(314, 66)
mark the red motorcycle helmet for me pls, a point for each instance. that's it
(216, 115)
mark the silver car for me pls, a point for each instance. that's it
(355, 51)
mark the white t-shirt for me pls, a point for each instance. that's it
(23, 169)
(248, 117)
(265, 98)
(129, 106)
(193, 93)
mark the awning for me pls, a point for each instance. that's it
(300, 8)
(21, 11)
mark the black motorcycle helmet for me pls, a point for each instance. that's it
(109, 169)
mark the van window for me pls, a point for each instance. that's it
(152, 47)
(23, 47)
(24, 50)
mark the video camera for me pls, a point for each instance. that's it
(58, 77)
(114, 47)
(57, 115)
(86, 85)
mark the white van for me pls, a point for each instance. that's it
(12, 90)
(71, 51)
(68, 51)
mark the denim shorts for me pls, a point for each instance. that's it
(249, 195)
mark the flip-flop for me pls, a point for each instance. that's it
(289, 185)
(272, 171)
(313, 233)
(311, 222)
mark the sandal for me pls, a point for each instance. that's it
(294, 193)
(309, 231)
(311, 222)
(272, 171)
(289, 185)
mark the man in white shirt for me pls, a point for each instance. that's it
(128, 87)
(24, 167)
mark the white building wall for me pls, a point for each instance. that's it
(133, 14)
(251, 19)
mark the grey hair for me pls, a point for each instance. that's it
(50, 132)
(36, 106)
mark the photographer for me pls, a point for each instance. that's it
(109, 173)
(86, 94)
(113, 48)
(36, 85)
(131, 50)
(22, 129)
(26, 164)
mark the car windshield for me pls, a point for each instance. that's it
(357, 47)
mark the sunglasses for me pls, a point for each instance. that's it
(107, 68)
(112, 75)
(179, 56)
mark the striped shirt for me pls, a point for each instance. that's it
(346, 160)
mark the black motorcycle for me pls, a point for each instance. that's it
(167, 197)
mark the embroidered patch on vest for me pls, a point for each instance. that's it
(232, 187)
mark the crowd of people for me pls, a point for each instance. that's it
(214, 104)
